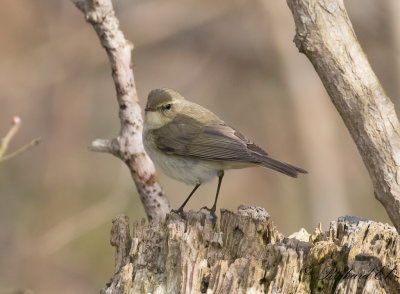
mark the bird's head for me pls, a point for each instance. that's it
(162, 106)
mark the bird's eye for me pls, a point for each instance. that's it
(168, 106)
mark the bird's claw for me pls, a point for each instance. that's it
(178, 211)
(210, 210)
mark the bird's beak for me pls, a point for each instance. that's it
(149, 109)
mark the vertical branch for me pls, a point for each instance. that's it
(325, 35)
(128, 146)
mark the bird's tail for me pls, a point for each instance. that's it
(281, 167)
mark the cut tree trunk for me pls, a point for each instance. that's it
(245, 253)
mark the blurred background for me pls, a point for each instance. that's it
(233, 57)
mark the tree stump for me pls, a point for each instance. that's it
(245, 253)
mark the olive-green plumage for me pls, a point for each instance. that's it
(193, 145)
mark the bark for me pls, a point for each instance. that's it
(325, 35)
(128, 146)
(245, 253)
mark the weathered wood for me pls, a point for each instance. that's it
(245, 253)
(325, 35)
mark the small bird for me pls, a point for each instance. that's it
(193, 145)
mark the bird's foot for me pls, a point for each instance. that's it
(210, 210)
(179, 212)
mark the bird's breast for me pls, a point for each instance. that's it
(187, 170)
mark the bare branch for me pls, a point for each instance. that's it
(16, 123)
(325, 35)
(23, 149)
(128, 146)
(102, 145)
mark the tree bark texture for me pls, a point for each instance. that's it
(245, 253)
(128, 146)
(325, 35)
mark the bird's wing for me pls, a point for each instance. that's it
(214, 141)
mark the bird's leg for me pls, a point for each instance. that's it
(180, 209)
(214, 207)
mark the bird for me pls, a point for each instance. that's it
(193, 145)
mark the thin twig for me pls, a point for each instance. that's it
(16, 123)
(24, 148)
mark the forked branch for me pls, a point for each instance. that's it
(4, 142)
